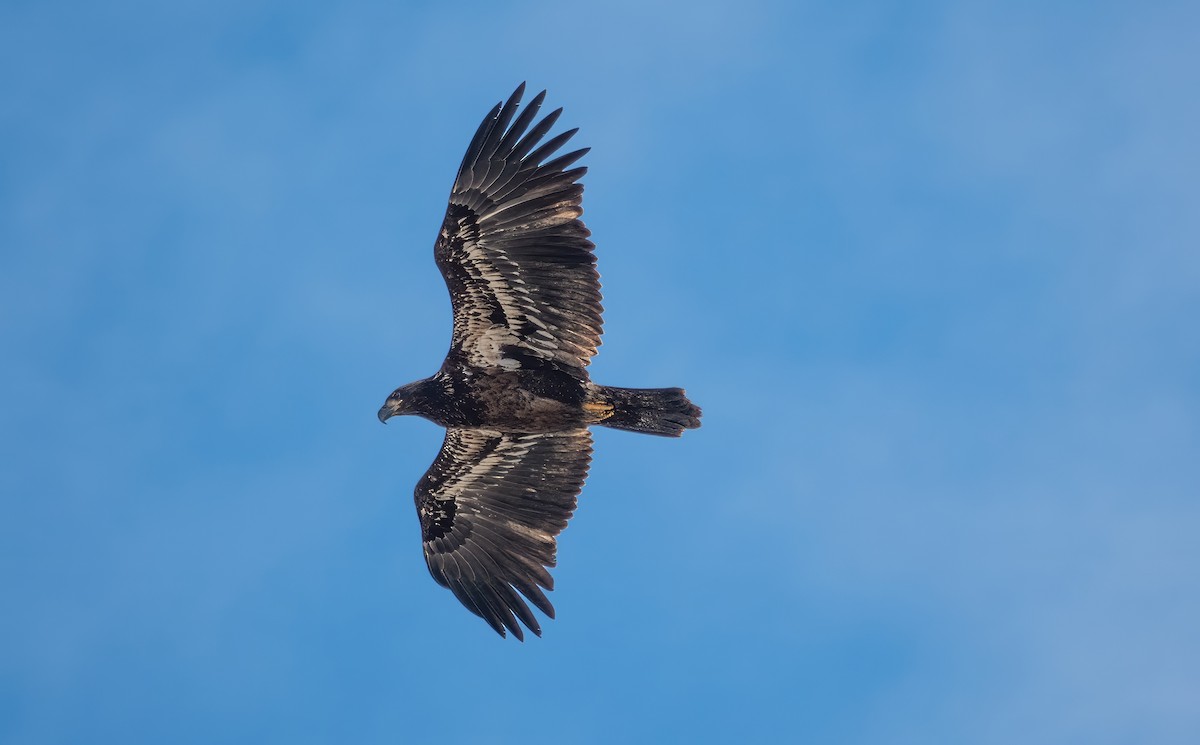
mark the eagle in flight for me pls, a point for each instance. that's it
(514, 393)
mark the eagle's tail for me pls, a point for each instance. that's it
(656, 411)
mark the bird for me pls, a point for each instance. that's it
(513, 392)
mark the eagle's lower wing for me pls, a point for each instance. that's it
(515, 256)
(490, 507)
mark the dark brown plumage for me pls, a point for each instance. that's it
(514, 392)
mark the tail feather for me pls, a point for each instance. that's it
(655, 411)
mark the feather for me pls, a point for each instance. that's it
(513, 251)
(512, 494)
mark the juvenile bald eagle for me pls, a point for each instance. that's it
(514, 393)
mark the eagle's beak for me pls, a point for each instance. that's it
(386, 412)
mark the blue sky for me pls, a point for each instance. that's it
(930, 268)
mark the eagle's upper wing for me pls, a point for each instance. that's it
(515, 256)
(490, 507)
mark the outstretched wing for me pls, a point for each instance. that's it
(514, 253)
(490, 507)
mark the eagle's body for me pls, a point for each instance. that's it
(524, 401)
(514, 393)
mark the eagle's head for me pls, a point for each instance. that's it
(400, 402)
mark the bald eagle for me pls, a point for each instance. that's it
(514, 393)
